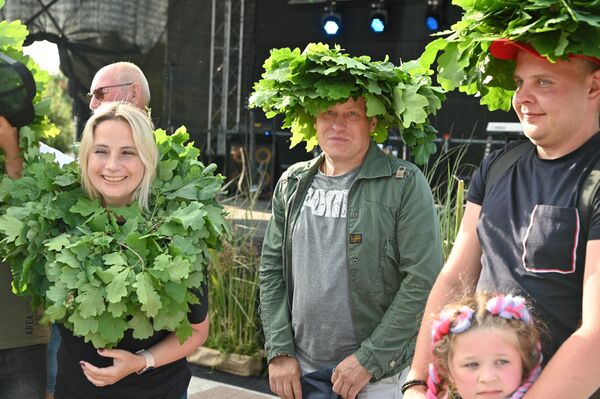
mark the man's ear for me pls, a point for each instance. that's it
(136, 92)
(372, 124)
(595, 84)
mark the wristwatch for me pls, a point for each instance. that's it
(149, 361)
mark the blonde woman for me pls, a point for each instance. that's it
(118, 158)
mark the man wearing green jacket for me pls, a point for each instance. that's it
(348, 261)
(349, 257)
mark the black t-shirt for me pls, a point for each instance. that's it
(530, 235)
(166, 382)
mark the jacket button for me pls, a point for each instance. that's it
(354, 214)
(392, 363)
(354, 260)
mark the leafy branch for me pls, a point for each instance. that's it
(12, 37)
(555, 28)
(136, 254)
(300, 85)
(73, 258)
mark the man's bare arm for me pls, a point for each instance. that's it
(574, 371)
(459, 275)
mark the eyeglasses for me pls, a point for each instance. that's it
(99, 92)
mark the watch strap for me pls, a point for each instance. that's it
(149, 361)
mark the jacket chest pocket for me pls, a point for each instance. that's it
(550, 244)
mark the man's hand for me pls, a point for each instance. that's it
(9, 144)
(349, 378)
(284, 377)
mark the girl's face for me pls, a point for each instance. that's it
(114, 166)
(486, 364)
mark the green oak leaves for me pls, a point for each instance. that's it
(101, 271)
(555, 28)
(300, 85)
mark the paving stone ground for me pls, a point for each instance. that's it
(201, 388)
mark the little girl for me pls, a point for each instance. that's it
(484, 347)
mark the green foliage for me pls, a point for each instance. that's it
(555, 28)
(300, 85)
(100, 271)
(445, 177)
(12, 36)
(60, 113)
(233, 277)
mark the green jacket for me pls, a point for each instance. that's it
(394, 256)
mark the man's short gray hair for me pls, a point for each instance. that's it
(124, 71)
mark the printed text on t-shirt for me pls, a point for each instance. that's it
(327, 203)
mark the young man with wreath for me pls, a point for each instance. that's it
(526, 231)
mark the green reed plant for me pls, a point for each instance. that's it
(233, 276)
(446, 179)
(233, 295)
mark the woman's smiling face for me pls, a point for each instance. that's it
(115, 169)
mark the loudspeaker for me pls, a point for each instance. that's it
(263, 165)
(248, 173)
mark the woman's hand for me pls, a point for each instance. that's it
(124, 363)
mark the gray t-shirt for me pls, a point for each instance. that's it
(321, 311)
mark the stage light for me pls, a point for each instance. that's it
(332, 24)
(331, 21)
(377, 17)
(433, 24)
(434, 15)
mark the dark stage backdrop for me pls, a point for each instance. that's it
(279, 24)
(170, 40)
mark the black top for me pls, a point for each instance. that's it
(530, 234)
(166, 382)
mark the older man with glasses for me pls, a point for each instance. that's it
(121, 81)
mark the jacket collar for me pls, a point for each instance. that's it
(376, 164)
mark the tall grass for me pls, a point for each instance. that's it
(233, 276)
(446, 176)
(233, 295)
